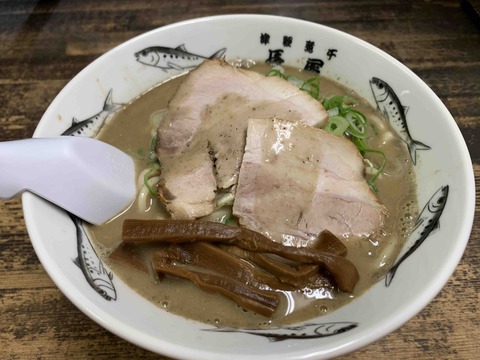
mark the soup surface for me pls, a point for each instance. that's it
(132, 129)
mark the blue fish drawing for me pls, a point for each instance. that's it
(178, 58)
(427, 221)
(307, 331)
(98, 277)
(91, 126)
(390, 106)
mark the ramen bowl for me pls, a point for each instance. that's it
(445, 188)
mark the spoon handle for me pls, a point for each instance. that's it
(19, 163)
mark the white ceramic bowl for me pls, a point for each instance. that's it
(446, 168)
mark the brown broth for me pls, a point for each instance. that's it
(131, 129)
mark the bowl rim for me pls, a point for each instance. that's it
(151, 343)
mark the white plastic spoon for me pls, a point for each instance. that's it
(89, 178)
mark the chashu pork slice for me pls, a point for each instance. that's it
(208, 115)
(296, 181)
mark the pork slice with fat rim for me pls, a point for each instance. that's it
(296, 181)
(212, 106)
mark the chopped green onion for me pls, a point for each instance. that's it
(362, 147)
(151, 152)
(343, 103)
(336, 125)
(357, 123)
(342, 107)
(148, 175)
(277, 73)
(344, 120)
(311, 86)
(226, 219)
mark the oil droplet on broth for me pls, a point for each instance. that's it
(265, 324)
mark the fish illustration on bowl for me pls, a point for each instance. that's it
(90, 127)
(307, 331)
(427, 221)
(390, 106)
(178, 58)
(97, 276)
